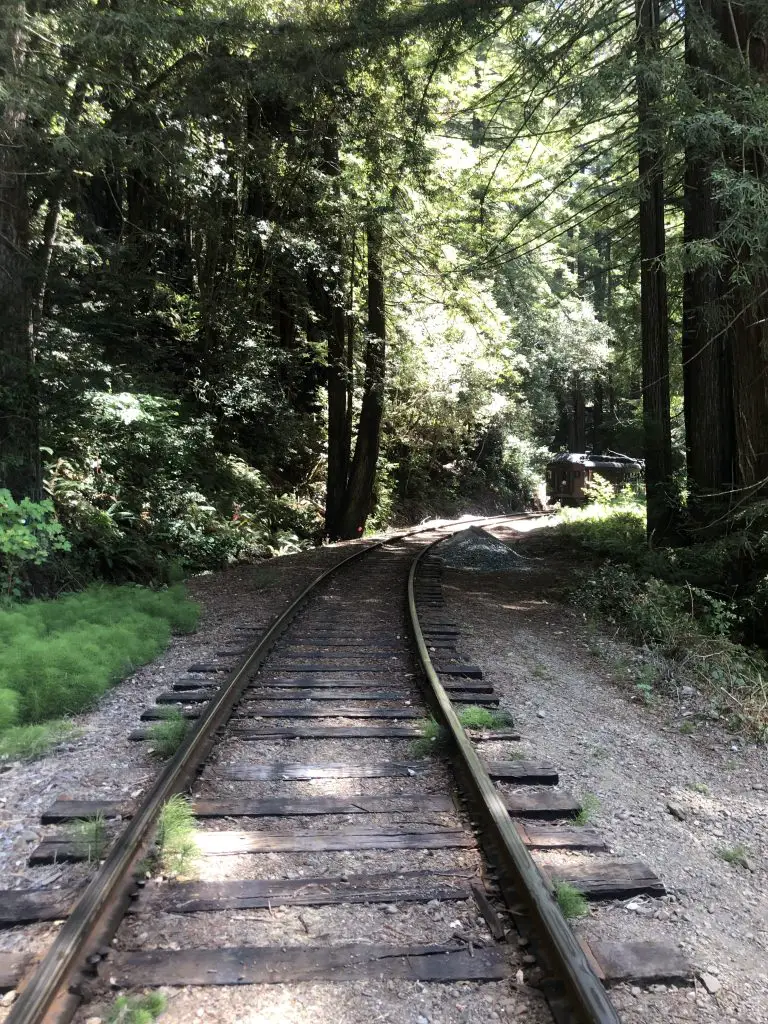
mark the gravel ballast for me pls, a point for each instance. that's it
(675, 800)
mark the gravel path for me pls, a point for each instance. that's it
(674, 800)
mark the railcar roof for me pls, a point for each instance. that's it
(593, 461)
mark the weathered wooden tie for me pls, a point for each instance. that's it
(385, 887)
(289, 964)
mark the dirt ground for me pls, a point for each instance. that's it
(676, 800)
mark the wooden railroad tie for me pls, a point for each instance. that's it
(385, 887)
(245, 965)
(606, 879)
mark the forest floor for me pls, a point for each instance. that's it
(676, 800)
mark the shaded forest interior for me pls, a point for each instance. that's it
(274, 272)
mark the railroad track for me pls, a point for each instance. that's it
(309, 794)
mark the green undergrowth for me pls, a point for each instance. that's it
(735, 855)
(474, 717)
(137, 1009)
(590, 805)
(175, 838)
(572, 903)
(167, 735)
(431, 741)
(702, 606)
(57, 657)
(30, 741)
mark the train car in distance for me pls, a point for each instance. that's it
(568, 472)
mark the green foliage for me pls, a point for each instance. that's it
(736, 855)
(474, 717)
(59, 656)
(175, 837)
(590, 805)
(698, 787)
(164, 498)
(681, 601)
(9, 708)
(571, 902)
(26, 742)
(137, 1009)
(609, 530)
(29, 534)
(665, 615)
(431, 742)
(166, 736)
(599, 491)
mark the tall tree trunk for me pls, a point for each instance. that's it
(747, 335)
(707, 371)
(598, 416)
(579, 419)
(20, 468)
(654, 321)
(362, 477)
(333, 319)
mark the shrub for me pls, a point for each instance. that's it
(29, 534)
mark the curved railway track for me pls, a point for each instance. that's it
(307, 746)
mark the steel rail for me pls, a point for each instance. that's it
(113, 881)
(516, 866)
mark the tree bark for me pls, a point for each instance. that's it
(654, 320)
(579, 419)
(20, 469)
(359, 497)
(747, 335)
(725, 327)
(330, 294)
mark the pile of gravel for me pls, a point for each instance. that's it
(476, 550)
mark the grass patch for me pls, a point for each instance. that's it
(687, 729)
(698, 787)
(474, 717)
(167, 735)
(31, 741)
(590, 805)
(92, 834)
(572, 903)
(736, 855)
(431, 742)
(137, 1009)
(58, 657)
(176, 844)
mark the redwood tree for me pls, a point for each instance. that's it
(654, 319)
(19, 444)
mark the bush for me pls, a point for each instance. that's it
(699, 603)
(29, 534)
(9, 708)
(149, 489)
(59, 656)
(691, 627)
